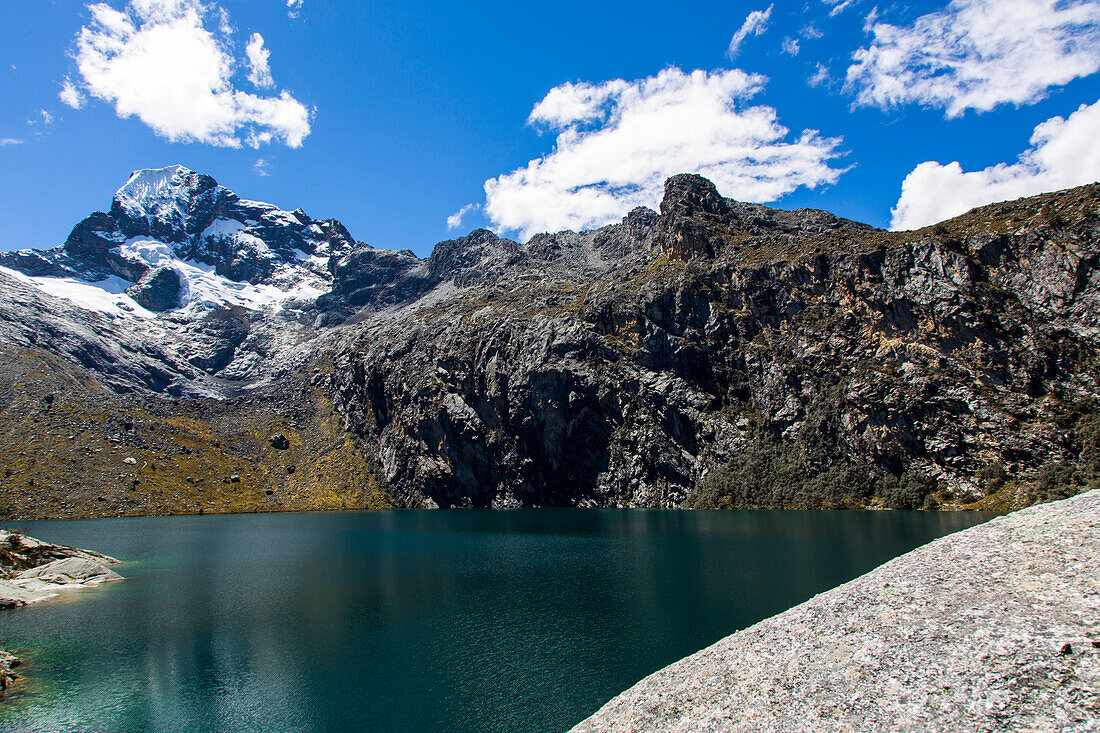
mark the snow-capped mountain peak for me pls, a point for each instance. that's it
(182, 240)
(154, 184)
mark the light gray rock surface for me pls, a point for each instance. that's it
(32, 570)
(69, 571)
(968, 633)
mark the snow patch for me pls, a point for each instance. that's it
(104, 296)
(249, 203)
(285, 218)
(151, 190)
(252, 242)
(149, 251)
(201, 286)
(220, 228)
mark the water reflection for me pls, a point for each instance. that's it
(416, 621)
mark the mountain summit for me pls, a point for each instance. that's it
(181, 239)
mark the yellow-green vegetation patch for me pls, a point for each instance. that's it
(70, 448)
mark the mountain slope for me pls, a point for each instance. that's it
(612, 367)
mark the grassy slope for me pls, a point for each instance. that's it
(66, 446)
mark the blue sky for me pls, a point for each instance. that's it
(392, 116)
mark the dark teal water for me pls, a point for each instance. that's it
(414, 621)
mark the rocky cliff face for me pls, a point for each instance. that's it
(611, 367)
(620, 381)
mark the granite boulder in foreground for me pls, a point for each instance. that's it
(995, 628)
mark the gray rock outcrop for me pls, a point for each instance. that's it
(8, 663)
(157, 290)
(617, 367)
(996, 628)
(32, 571)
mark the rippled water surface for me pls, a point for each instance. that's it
(416, 620)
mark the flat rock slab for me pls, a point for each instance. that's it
(995, 628)
(34, 571)
(71, 570)
(13, 596)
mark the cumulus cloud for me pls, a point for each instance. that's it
(1063, 154)
(791, 46)
(70, 95)
(259, 72)
(977, 54)
(454, 221)
(47, 118)
(156, 60)
(294, 8)
(261, 167)
(755, 24)
(5, 141)
(618, 141)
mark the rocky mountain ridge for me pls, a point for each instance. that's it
(611, 367)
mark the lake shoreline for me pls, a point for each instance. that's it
(1004, 502)
(34, 572)
(993, 626)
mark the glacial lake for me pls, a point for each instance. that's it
(423, 621)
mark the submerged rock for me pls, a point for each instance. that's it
(973, 632)
(8, 662)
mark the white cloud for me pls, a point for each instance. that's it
(70, 95)
(259, 72)
(157, 60)
(820, 76)
(839, 6)
(454, 221)
(261, 166)
(755, 24)
(224, 26)
(47, 118)
(790, 46)
(977, 54)
(811, 32)
(294, 8)
(5, 141)
(1063, 154)
(570, 103)
(618, 141)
